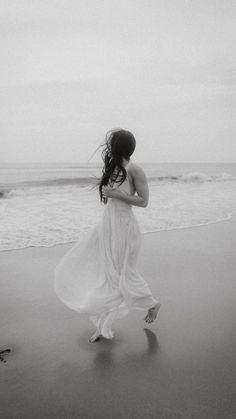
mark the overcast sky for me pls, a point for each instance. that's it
(164, 69)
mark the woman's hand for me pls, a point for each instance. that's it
(108, 192)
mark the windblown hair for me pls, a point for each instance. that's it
(119, 143)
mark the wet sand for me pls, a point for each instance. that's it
(182, 366)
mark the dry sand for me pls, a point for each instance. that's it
(182, 366)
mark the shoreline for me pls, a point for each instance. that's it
(228, 218)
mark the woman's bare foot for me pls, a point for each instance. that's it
(96, 336)
(152, 313)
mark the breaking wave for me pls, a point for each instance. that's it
(27, 187)
(194, 177)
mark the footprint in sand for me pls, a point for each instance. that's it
(3, 353)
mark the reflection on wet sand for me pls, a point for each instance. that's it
(105, 359)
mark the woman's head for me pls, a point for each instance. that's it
(119, 144)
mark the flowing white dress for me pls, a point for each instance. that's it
(99, 276)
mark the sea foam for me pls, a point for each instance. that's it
(46, 214)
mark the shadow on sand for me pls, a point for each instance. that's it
(106, 357)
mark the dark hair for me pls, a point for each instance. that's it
(119, 143)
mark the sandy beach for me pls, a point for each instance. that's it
(182, 366)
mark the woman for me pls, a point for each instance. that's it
(99, 276)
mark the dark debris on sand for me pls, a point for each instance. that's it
(3, 354)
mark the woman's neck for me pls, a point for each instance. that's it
(125, 162)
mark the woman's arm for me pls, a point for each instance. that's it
(141, 187)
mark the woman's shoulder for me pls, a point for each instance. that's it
(136, 170)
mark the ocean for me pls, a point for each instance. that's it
(49, 204)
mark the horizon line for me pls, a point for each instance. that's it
(100, 162)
